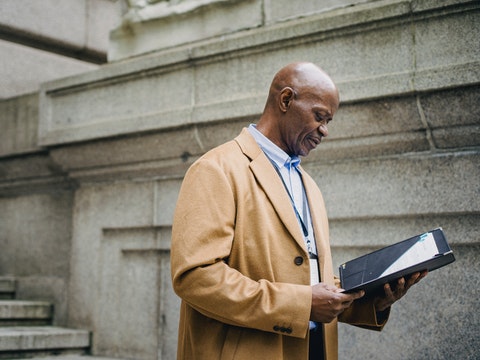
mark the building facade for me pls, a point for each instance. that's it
(91, 164)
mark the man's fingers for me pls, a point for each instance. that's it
(399, 290)
(388, 291)
(422, 275)
(347, 302)
(358, 294)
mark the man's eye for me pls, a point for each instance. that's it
(322, 119)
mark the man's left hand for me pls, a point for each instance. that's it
(392, 295)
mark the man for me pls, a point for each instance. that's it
(250, 253)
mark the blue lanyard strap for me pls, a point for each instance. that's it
(297, 214)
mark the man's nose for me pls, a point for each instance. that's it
(323, 130)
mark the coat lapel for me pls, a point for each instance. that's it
(320, 226)
(271, 183)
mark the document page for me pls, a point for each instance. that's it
(314, 278)
(424, 249)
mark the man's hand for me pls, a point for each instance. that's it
(328, 302)
(391, 295)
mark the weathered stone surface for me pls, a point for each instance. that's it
(47, 40)
(404, 186)
(97, 208)
(453, 116)
(125, 232)
(41, 338)
(19, 113)
(226, 79)
(35, 232)
(401, 158)
(7, 287)
(152, 27)
(281, 10)
(80, 24)
(439, 325)
(73, 357)
(25, 310)
(20, 75)
(366, 233)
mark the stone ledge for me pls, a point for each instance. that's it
(411, 185)
(32, 173)
(7, 287)
(216, 81)
(141, 29)
(251, 107)
(73, 357)
(20, 309)
(383, 128)
(27, 338)
(19, 113)
(459, 229)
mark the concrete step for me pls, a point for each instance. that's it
(7, 287)
(21, 342)
(25, 313)
(73, 357)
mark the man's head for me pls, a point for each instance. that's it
(301, 102)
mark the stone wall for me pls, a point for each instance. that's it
(49, 39)
(36, 200)
(402, 157)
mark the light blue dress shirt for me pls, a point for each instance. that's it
(290, 173)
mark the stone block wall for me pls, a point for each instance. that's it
(402, 157)
(36, 200)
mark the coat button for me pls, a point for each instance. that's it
(298, 260)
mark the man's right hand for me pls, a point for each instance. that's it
(328, 302)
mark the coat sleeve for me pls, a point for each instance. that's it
(202, 236)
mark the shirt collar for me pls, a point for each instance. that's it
(273, 152)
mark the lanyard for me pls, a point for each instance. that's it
(297, 214)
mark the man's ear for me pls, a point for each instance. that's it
(286, 97)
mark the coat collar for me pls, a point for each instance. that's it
(271, 183)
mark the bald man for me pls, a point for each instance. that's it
(250, 253)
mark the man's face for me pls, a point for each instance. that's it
(306, 120)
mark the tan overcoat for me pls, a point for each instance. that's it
(239, 262)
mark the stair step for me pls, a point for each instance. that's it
(23, 313)
(74, 357)
(7, 287)
(18, 342)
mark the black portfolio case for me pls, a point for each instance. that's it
(428, 251)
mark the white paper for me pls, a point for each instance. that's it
(314, 279)
(424, 249)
